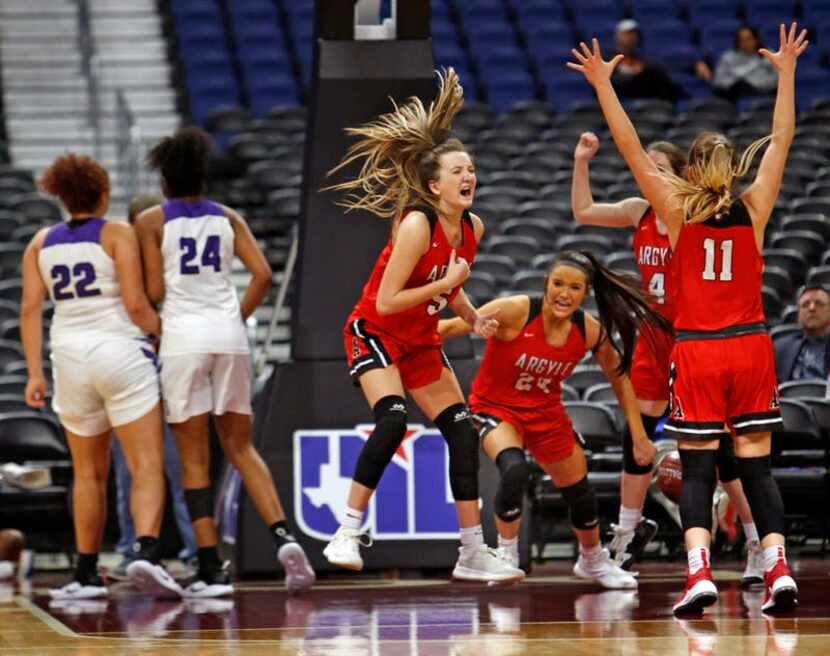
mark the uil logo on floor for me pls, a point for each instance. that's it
(413, 499)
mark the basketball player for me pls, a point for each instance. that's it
(516, 395)
(650, 371)
(722, 371)
(414, 174)
(104, 367)
(188, 244)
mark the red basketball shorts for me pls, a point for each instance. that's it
(367, 350)
(720, 384)
(547, 433)
(650, 367)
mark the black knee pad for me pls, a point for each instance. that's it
(698, 487)
(457, 428)
(514, 474)
(630, 465)
(390, 429)
(199, 502)
(762, 494)
(727, 463)
(582, 504)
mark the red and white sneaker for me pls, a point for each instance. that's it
(781, 592)
(700, 592)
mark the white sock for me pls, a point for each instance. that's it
(472, 536)
(511, 544)
(590, 553)
(352, 518)
(629, 518)
(750, 532)
(698, 558)
(772, 555)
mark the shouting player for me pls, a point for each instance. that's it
(516, 396)
(415, 175)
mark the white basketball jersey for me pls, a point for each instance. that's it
(82, 284)
(200, 313)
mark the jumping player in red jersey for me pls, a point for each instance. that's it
(424, 181)
(722, 376)
(650, 371)
(516, 395)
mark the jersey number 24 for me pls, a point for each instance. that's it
(210, 255)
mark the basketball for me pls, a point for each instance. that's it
(11, 544)
(670, 476)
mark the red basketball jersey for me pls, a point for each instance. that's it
(717, 269)
(527, 372)
(417, 326)
(653, 253)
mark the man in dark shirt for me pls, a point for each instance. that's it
(806, 354)
(636, 77)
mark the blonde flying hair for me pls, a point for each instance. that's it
(712, 174)
(400, 152)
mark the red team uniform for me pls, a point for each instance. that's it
(520, 382)
(650, 364)
(722, 366)
(407, 339)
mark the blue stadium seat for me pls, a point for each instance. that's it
(260, 30)
(677, 57)
(564, 87)
(507, 89)
(194, 10)
(534, 11)
(704, 14)
(544, 33)
(443, 30)
(717, 39)
(263, 10)
(449, 54)
(495, 62)
(648, 11)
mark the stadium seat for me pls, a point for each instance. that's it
(600, 393)
(521, 249)
(28, 436)
(784, 330)
(569, 393)
(595, 423)
(789, 259)
(501, 267)
(541, 230)
(779, 280)
(481, 286)
(806, 242)
(599, 246)
(819, 275)
(772, 304)
(584, 376)
(797, 389)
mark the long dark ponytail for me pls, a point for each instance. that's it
(621, 305)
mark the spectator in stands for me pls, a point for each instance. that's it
(742, 71)
(636, 77)
(807, 354)
(172, 469)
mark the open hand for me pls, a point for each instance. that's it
(591, 64)
(790, 49)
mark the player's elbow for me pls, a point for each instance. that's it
(582, 215)
(383, 307)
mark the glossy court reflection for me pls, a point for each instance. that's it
(548, 614)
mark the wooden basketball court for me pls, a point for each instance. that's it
(351, 615)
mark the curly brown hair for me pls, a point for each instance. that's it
(79, 181)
